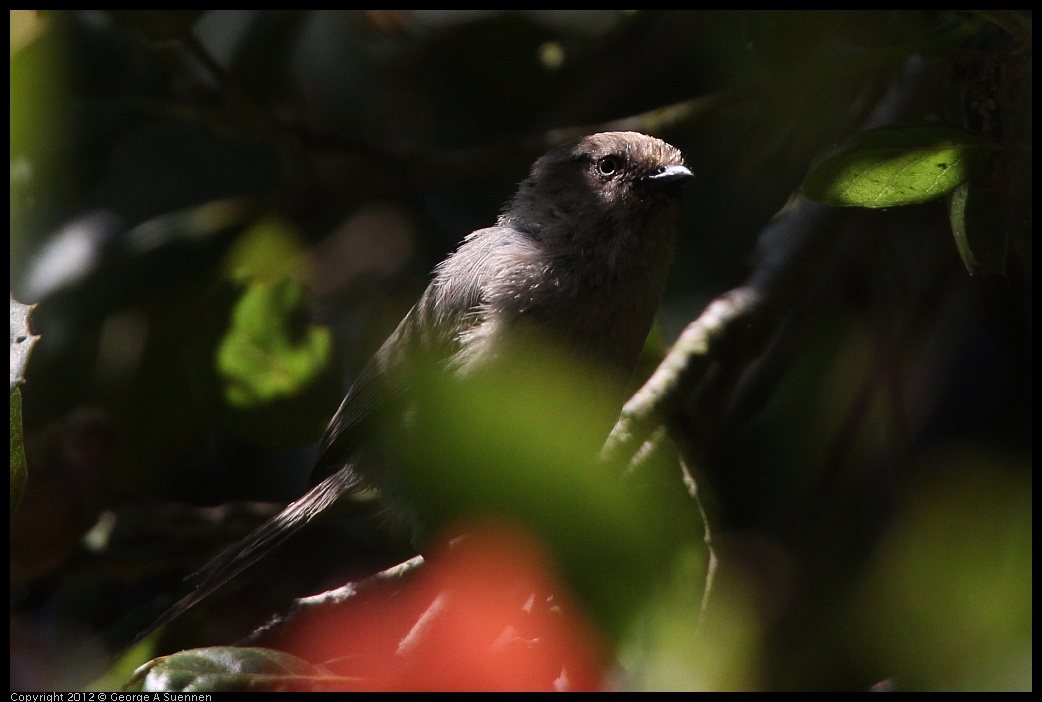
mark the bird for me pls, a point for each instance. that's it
(578, 259)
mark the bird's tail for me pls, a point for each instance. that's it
(240, 556)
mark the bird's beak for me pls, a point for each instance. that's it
(668, 178)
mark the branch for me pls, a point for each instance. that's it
(331, 598)
(732, 331)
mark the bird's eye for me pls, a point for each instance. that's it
(608, 165)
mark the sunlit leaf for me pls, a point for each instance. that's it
(895, 166)
(271, 350)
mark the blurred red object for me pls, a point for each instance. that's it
(485, 612)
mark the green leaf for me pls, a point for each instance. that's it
(271, 248)
(271, 351)
(224, 669)
(124, 667)
(978, 223)
(895, 166)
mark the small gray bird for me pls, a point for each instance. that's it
(578, 259)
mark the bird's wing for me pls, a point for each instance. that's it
(431, 330)
(425, 339)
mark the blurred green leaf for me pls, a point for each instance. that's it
(947, 603)
(977, 218)
(224, 669)
(521, 440)
(678, 646)
(895, 166)
(270, 248)
(278, 383)
(271, 350)
(123, 669)
(38, 85)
